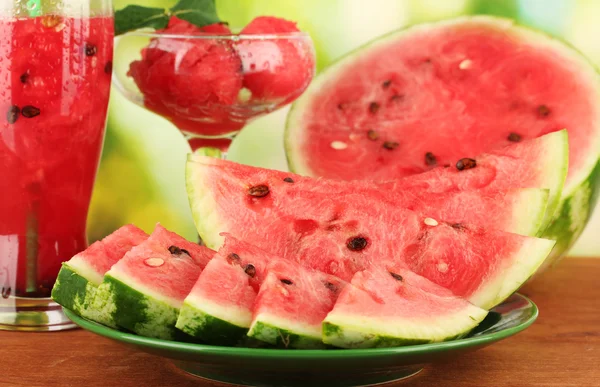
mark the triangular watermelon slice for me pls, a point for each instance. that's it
(79, 278)
(346, 231)
(291, 305)
(144, 291)
(388, 306)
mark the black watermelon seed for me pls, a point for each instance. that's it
(430, 159)
(457, 226)
(250, 270)
(386, 84)
(175, 250)
(13, 114)
(390, 145)
(6, 292)
(514, 137)
(342, 106)
(30, 111)
(90, 49)
(396, 276)
(24, 77)
(396, 98)
(543, 111)
(288, 180)
(373, 136)
(374, 107)
(356, 243)
(286, 281)
(108, 67)
(331, 286)
(258, 191)
(466, 163)
(233, 257)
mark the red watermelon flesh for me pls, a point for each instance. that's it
(99, 257)
(451, 89)
(166, 264)
(388, 306)
(343, 233)
(275, 69)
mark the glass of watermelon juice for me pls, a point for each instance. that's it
(55, 77)
(210, 82)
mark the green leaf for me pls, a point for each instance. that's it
(198, 12)
(133, 17)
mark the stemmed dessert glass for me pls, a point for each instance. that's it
(55, 77)
(211, 85)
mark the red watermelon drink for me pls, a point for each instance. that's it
(209, 81)
(55, 77)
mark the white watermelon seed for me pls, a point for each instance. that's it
(465, 64)
(154, 262)
(442, 267)
(430, 222)
(339, 145)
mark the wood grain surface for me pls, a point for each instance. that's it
(562, 348)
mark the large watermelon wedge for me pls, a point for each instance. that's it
(346, 231)
(434, 93)
(388, 306)
(442, 192)
(144, 291)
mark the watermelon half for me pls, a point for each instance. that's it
(345, 231)
(388, 306)
(144, 291)
(79, 278)
(435, 93)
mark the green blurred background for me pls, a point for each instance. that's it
(141, 176)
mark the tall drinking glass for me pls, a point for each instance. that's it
(55, 75)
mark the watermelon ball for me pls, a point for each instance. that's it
(275, 69)
(179, 77)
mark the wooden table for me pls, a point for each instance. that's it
(562, 348)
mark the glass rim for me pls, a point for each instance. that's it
(213, 36)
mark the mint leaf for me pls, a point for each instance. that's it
(133, 17)
(198, 12)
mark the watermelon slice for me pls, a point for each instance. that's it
(435, 93)
(345, 231)
(218, 309)
(292, 304)
(79, 278)
(388, 306)
(144, 291)
(223, 304)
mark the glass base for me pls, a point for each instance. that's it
(32, 315)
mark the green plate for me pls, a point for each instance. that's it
(331, 367)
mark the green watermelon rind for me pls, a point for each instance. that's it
(284, 338)
(136, 311)
(528, 259)
(346, 331)
(205, 211)
(565, 219)
(204, 325)
(572, 217)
